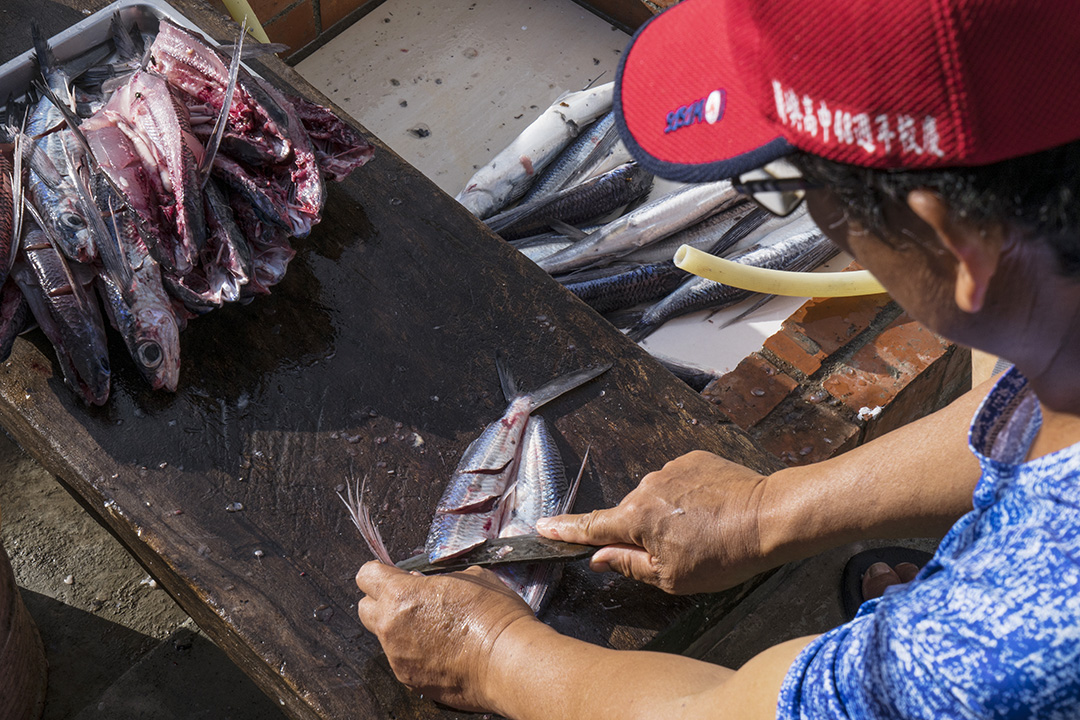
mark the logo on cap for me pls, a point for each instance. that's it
(707, 109)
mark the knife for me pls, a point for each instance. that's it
(503, 551)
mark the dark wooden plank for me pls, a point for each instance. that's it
(627, 15)
(374, 357)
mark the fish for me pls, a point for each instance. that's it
(798, 246)
(596, 139)
(339, 148)
(307, 191)
(705, 234)
(630, 284)
(53, 193)
(257, 127)
(57, 297)
(468, 511)
(508, 175)
(7, 214)
(540, 490)
(591, 199)
(486, 465)
(140, 311)
(14, 316)
(647, 224)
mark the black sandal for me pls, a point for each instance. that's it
(851, 596)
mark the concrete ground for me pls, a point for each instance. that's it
(118, 647)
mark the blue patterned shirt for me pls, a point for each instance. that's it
(990, 628)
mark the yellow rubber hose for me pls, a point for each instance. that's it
(239, 9)
(776, 282)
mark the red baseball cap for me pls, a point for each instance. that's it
(710, 89)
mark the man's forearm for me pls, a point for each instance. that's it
(912, 482)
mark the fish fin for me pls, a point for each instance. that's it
(570, 231)
(506, 377)
(754, 307)
(623, 319)
(43, 54)
(564, 384)
(746, 225)
(361, 517)
(17, 196)
(567, 503)
(219, 125)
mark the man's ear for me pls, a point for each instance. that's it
(976, 253)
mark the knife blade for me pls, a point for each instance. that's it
(503, 551)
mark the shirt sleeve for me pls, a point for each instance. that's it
(989, 635)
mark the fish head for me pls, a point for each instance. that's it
(70, 227)
(157, 347)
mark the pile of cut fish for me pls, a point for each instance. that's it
(508, 478)
(157, 171)
(567, 194)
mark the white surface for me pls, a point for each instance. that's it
(475, 73)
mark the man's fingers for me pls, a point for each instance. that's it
(600, 527)
(628, 560)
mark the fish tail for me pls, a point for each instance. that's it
(46, 60)
(641, 330)
(506, 376)
(562, 385)
(361, 517)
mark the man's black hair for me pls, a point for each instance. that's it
(1040, 192)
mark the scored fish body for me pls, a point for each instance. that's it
(453, 534)
(540, 487)
(481, 476)
(471, 508)
(488, 463)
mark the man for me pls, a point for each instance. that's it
(937, 142)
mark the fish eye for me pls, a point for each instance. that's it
(150, 355)
(72, 221)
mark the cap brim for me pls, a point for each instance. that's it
(683, 101)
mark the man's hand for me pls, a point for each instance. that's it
(439, 632)
(690, 527)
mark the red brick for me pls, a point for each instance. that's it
(266, 10)
(792, 347)
(868, 381)
(833, 322)
(334, 11)
(750, 391)
(296, 28)
(800, 432)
